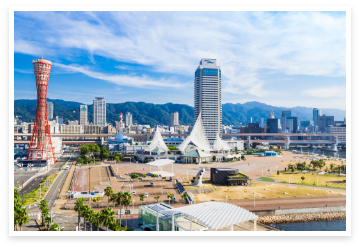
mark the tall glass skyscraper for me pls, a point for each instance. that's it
(99, 117)
(207, 97)
(50, 110)
(316, 113)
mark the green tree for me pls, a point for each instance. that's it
(321, 164)
(104, 153)
(157, 198)
(214, 158)
(107, 217)
(78, 205)
(133, 176)
(108, 191)
(332, 167)
(127, 202)
(119, 201)
(96, 219)
(171, 196)
(242, 157)
(55, 227)
(117, 159)
(236, 150)
(185, 195)
(44, 210)
(21, 216)
(153, 175)
(85, 213)
(91, 217)
(143, 175)
(142, 198)
(147, 160)
(84, 149)
(271, 148)
(224, 158)
(302, 178)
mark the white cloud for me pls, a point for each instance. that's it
(124, 80)
(245, 44)
(326, 92)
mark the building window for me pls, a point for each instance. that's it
(210, 72)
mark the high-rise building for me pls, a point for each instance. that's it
(128, 119)
(40, 147)
(316, 113)
(325, 121)
(99, 117)
(292, 124)
(60, 120)
(174, 121)
(83, 117)
(272, 123)
(207, 97)
(50, 110)
(286, 113)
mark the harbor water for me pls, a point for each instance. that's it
(341, 153)
(335, 225)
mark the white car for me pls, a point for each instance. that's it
(134, 192)
(146, 194)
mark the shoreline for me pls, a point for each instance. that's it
(296, 218)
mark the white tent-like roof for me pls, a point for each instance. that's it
(158, 142)
(197, 136)
(215, 215)
(219, 144)
(161, 162)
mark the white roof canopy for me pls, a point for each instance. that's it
(161, 162)
(197, 136)
(219, 144)
(215, 215)
(158, 141)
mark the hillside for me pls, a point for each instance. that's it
(153, 114)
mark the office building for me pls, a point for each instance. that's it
(305, 124)
(325, 121)
(316, 113)
(174, 121)
(99, 116)
(128, 119)
(60, 120)
(207, 97)
(262, 122)
(291, 124)
(286, 113)
(50, 110)
(337, 130)
(272, 123)
(73, 123)
(83, 117)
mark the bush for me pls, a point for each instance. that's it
(144, 175)
(153, 175)
(133, 176)
(278, 173)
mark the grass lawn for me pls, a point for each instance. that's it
(262, 191)
(310, 179)
(266, 179)
(34, 196)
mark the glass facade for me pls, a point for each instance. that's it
(210, 72)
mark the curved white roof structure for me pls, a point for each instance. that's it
(161, 162)
(215, 215)
(219, 144)
(197, 136)
(158, 142)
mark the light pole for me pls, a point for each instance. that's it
(169, 201)
(226, 198)
(254, 199)
(133, 204)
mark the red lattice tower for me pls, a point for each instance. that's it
(40, 144)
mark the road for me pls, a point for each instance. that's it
(68, 221)
(33, 184)
(22, 176)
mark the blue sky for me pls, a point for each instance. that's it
(280, 58)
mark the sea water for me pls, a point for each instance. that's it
(334, 225)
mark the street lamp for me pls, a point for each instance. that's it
(169, 201)
(133, 204)
(226, 198)
(254, 198)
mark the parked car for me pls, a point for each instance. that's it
(146, 194)
(134, 192)
(151, 184)
(170, 179)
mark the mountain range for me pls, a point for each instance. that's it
(157, 114)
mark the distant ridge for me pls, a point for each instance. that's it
(155, 114)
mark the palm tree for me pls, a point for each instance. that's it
(107, 217)
(79, 203)
(113, 198)
(91, 217)
(85, 209)
(171, 196)
(127, 202)
(96, 219)
(55, 227)
(22, 217)
(184, 196)
(44, 209)
(119, 200)
(108, 191)
(48, 222)
(157, 198)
